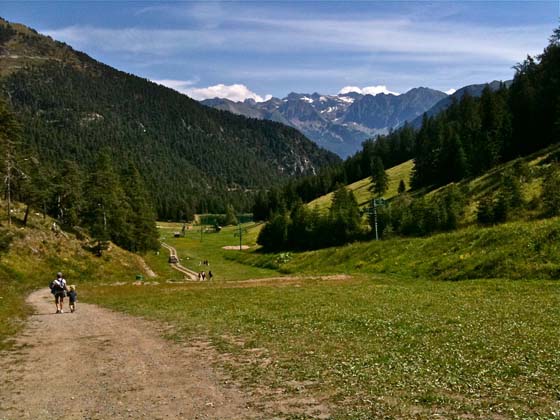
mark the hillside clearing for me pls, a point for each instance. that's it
(362, 187)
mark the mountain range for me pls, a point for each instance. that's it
(339, 123)
(472, 90)
(72, 106)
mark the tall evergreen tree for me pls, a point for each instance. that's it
(67, 193)
(10, 137)
(106, 208)
(551, 192)
(141, 215)
(379, 177)
(231, 218)
(345, 221)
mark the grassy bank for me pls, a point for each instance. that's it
(513, 250)
(35, 256)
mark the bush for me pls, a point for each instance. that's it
(551, 192)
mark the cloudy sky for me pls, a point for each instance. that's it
(256, 49)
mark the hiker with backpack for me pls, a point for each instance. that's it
(58, 289)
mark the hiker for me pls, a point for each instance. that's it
(203, 275)
(58, 289)
(210, 275)
(72, 297)
(199, 276)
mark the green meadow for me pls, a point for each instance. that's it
(395, 339)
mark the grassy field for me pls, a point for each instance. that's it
(376, 346)
(196, 247)
(393, 341)
(362, 191)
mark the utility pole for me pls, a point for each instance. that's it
(376, 202)
(201, 228)
(240, 236)
(239, 233)
(375, 219)
(9, 184)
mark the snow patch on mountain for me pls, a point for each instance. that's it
(368, 90)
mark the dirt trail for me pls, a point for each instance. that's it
(98, 364)
(192, 275)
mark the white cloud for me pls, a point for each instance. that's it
(416, 41)
(368, 90)
(451, 91)
(236, 92)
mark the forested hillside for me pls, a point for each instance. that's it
(464, 142)
(191, 158)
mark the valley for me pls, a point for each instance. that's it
(351, 256)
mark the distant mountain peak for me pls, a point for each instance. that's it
(341, 122)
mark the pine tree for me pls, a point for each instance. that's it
(485, 211)
(106, 207)
(551, 192)
(141, 216)
(345, 220)
(274, 235)
(231, 218)
(402, 187)
(379, 177)
(67, 193)
(10, 136)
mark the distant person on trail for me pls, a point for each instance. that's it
(210, 275)
(72, 297)
(203, 275)
(58, 289)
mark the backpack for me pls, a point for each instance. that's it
(56, 287)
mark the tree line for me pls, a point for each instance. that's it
(111, 205)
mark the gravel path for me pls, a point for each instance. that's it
(98, 364)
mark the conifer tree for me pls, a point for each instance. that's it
(231, 218)
(141, 216)
(344, 217)
(379, 177)
(106, 207)
(10, 136)
(551, 192)
(67, 190)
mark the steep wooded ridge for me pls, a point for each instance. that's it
(339, 123)
(470, 90)
(191, 157)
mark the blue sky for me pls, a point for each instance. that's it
(255, 49)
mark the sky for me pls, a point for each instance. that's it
(258, 49)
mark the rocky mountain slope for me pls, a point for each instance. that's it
(339, 123)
